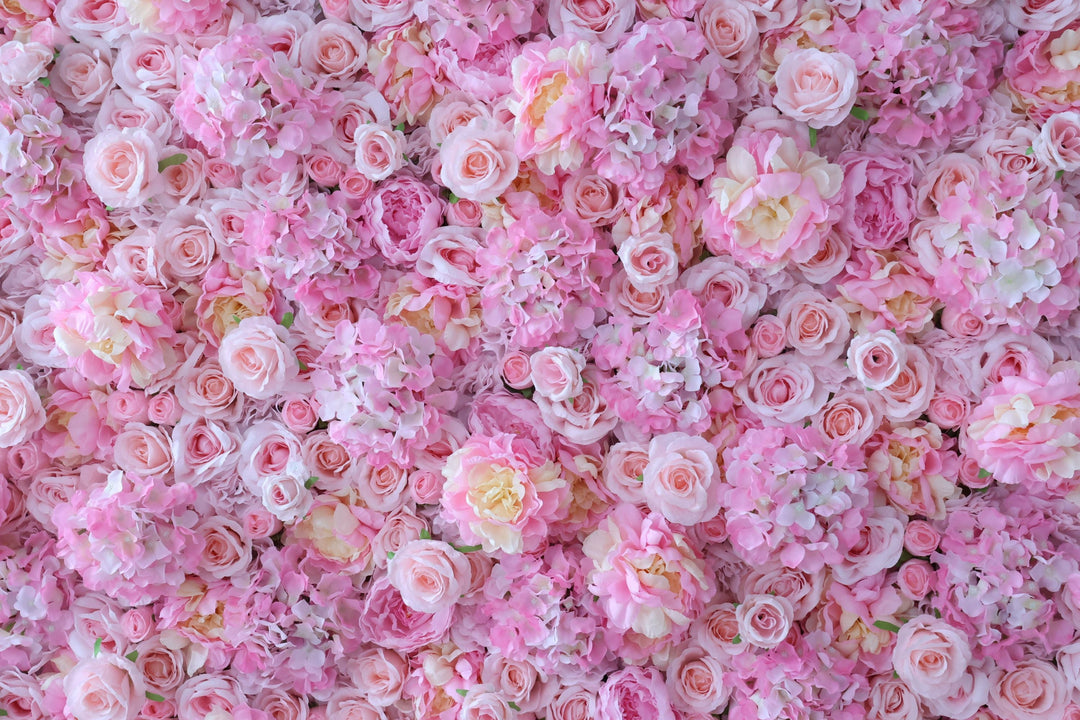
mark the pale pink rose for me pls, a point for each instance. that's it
(298, 415)
(921, 538)
(482, 704)
(909, 395)
(323, 169)
(82, 75)
(1068, 660)
(107, 687)
(466, 213)
(371, 15)
(450, 256)
(281, 705)
(681, 480)
(477, 161)
(816, 326)
(816, 87)
(718, 630)
(891, 699)
(828, 261)
(1072, 712)
(847, 418)
(594, 199)
(931, 656)
(147, 65)
(381, 673)
(1058, 145)
(387, 621)
(964, 701)
(138, 623)
(430, 575)
(335, 467)
(143, 450)
(878, 547)
(649, 259)
(23, 63)
(634, 692)
(285, 497)
(730, 31)
(21, 412)
(517, 681)
(1043, 15)
(782, 389)
(1033, 690)
(452, 112)
(379, 151)
(768, 336)
(948, 410)
(624, 471)
(876, 359)
(226, 548)
(208, 695)
(517, 370)
(204, 391)
(255, 358)
(603, 21)
(258, 523)
(122, 166)
(721, 280)
(556, 373)
(803, 590)
(127, 406)
(346, 703)
(951, 176)
(695, 681)
(914, 579)
(583, 419)
(765, 620)
(381, 486)
(573, 702)
(334, 49)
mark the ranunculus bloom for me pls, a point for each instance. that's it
(816, 87)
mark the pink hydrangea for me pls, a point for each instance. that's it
(381, 387)
(502, 494)
(647, 576)
(791, 496)
(131, 538)
(1026, 428)
(112, 329)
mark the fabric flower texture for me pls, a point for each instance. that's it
(516, 360)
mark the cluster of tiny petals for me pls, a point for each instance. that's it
(515, 360)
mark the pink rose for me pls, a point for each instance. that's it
(695, 681)
(593, 198)
(122, 166)
(379, 151)
(556, 373)
(966, 699)
(23, 63)
(915, 579)
(765, 620)
(603, 21)
(255, 358)
(634, 692)
(334, 49)
(782, 390)
(279, 704)
(143, 450)
(285, 496)
(381, 673)
(681, 479)
(429, 574)
(717, 630)
(909, 395)
(21, 412)
(517, 370)
(386, 620)
(82, 75)
(1042, 15)
(226, 548)
(876, 359)
(1058, 145)
(624, 471)
(768, 336)
(891, 699)
(574, 702)
(816, 87)
(730, 31)
(1033, 690)
(847, 418)
(878, 547)
(477, 161)
(649, 259)
(515, 680)
(381, 486)
(931, 656)
(104, 688)
(583, 419)
(920, 538)
(816, 326)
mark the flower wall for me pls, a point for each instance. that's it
(557, 360)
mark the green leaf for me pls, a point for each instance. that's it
(287, 320)
(45, 81)
(462, 692)
(133, 655)
(18, 366)
(390, 555)
(109, 208)
(400, 127)
(640, 478)
(883, 625)
(310, 482)
(425, 534)
(937, 613)
(813, 137)
(860, 113)
(97, 647)
(1029, 151)
(513, 706)
(737, 640)
(983, 474)
(236, 319)
(454, 199)
(168, 162)
(467, 548)
(155, 697)
(1059, 174)
(3, 712)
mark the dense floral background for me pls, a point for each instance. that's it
(554, 360)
